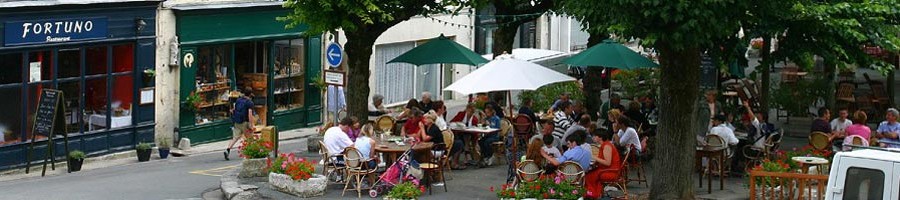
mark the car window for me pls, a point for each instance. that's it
(863, 183)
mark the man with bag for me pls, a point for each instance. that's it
(242, 113)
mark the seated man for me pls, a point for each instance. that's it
(723, 131)
(574, 153)
(547, 130)
(336, 139)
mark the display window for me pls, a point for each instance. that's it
(290, 79)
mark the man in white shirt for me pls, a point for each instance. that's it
(376, 106)
(723, 131)
(839, 125)
(336, 138)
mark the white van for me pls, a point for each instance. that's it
(869, 173)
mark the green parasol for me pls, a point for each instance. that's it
(440, 50)
(610, 54)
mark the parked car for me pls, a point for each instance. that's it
(869, 173)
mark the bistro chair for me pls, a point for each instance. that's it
(637, 165)
(856, 140)
(528, 171)
(329, 167)
(435, 168)
(384, 124)
(773, 142)
(819, 140)
(844, 93)
(449, 138)
(879, 98)
(500, 146)
(356, 169)
(715, 141)
(523, 127)
(572, 172)
(620, 182)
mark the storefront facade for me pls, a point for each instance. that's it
(96, 54)
(223, 50)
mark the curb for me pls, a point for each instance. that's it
(234, 190)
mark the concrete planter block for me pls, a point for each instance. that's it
(253, 168)
(312, 143)
(312, 187)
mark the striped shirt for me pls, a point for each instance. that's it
(561, 122)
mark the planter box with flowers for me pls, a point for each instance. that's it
(544, 188)
(254, 151)
(782, 177)
(294, 175)
(406, 191)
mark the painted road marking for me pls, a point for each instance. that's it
(214, 171)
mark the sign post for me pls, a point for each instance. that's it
(44, 123)
(334, 55)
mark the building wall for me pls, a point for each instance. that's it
(167, 83)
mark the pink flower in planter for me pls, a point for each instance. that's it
(553, 192)
(574, 191)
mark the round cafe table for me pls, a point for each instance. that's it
(805, 162)
(392, 150)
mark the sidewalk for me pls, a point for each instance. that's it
(129, 157)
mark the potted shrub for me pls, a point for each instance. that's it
(75, 159)
(163, 148)
(143, 152)
(406, 190)
(254, 151)
(294, 175)
(544, 188)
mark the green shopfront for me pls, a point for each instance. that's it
(224, 50)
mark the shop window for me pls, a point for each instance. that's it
(122, 103)
(95, 105)
(69, 63)
(12, 68)
(123, 58)
(213, 83)
(72, 112)
(290, 79)
(96, 60)
(11, 119)
(40, 66)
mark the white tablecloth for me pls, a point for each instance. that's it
(100, 120)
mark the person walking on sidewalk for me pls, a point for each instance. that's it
(241, 116)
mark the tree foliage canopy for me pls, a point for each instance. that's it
(352, 15)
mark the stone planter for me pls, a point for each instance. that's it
(254, 168)
(312, 187)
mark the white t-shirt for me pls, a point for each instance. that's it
(441, 123)
(336, 140)
(838, 126)
(552, 151)
(630, 136)
(726, 133)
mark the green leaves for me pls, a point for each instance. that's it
(351, 15)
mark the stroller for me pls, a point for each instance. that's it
(404, 168)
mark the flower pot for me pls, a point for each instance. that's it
(148, 80)
(256, 167)
(75, 164)
(143, 155)
(163, 153)
(312, 187)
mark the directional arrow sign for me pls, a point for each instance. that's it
(334, 54)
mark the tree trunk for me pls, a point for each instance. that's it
(674, 161)
(765, 76)
(359, 51)
(504, 37)
(593, 84)
(829, 69)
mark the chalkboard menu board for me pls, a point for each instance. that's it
(709, 73)
(46, 112)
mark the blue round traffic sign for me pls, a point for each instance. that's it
(334, 54)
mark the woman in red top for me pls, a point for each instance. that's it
(606, 165)
(412, 127)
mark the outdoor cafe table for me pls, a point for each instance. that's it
(476, 134)
(711, 152)
(392, 150)
(805, 162)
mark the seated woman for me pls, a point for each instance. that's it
(412, 127)
(859, 128)
(365, 143)
(469, 117)
(608, 158)
(411, 105)
(433, 134)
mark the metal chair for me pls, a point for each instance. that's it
(635, 163)
(819, 140)
(384, 124)
(329, 167)
(572, 172)
(355, 169)
(844, 93)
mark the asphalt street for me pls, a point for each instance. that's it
(196, 175)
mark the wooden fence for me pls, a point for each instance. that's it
(783, 185)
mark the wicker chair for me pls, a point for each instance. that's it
(355, 169)
(528, 171)
(572, 172)
(717, 142)
(635, 163)
(500, 146)
(621, 181)
(384, 123)
(435, 166)
(819, 140)
(329, 167)
(449, 138)
(523, 128)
